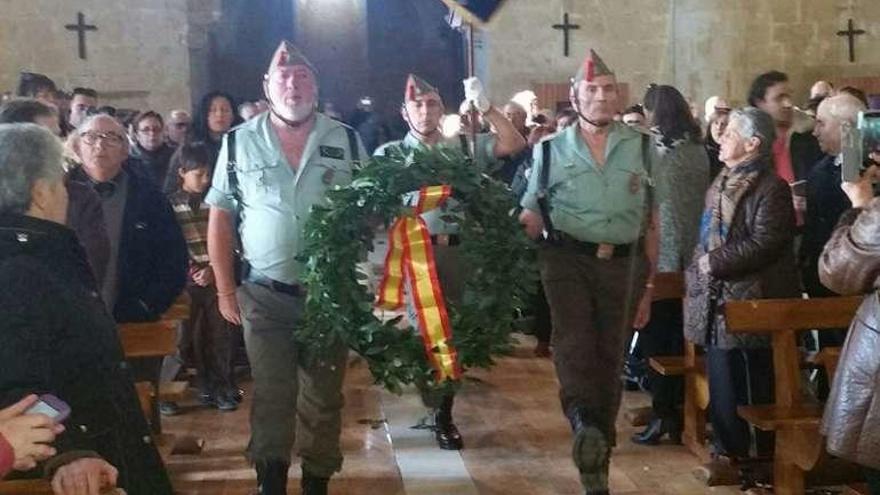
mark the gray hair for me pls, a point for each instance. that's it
(87, 121)
(843, 107)
(28, 152)
(755, 123)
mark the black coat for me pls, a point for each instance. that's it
(57, 337)
(87, 220)
(826, 201)
(153, 260)
(805, 152)
(154, 164)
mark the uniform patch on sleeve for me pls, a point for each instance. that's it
(332, 152)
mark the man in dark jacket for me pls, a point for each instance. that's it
(148, 261)
(825, 199)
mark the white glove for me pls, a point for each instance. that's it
(473, 92)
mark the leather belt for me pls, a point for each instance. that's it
(295, 290)
(445, 240)
(602, 251)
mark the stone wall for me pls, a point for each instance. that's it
(704, 47)
(137, 58)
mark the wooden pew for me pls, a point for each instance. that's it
(799, 446)
(38, 487)
(692, 366)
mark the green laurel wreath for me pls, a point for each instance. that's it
(495, 255)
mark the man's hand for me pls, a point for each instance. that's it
(861, 192)
(473, 92)
(229, 307)
(88, 476)
(532, 222)
(643, 313)
(28, 434)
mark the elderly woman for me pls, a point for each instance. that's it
(744, 252)
(56, 337)
(850, 264)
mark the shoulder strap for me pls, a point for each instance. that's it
(354, 150)
(462, 139)
(647, 164)
(545, 165)
(552, 236)
(231, 173)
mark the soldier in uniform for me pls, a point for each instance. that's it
(599, 258)
(422, 109)
(283, 163)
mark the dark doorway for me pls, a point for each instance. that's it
(241, 44)
(412, 36)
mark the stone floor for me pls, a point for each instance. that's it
(516, 443)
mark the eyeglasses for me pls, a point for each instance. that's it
(180, 125)
(91, 138)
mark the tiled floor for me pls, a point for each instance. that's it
(516, 443)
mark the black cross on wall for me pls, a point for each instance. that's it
(565, 27)
(81, 27)
(851, 34)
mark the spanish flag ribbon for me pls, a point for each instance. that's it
(410, 259)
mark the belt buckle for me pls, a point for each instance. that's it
(442, 239)
(605, 251)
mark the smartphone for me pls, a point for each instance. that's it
(868, 125)
(51, 406)
(857, 144)
(799, 188)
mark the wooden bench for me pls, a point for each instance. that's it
(799, 446)
(691, 366)
(38, 487)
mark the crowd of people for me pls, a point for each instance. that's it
(111, 224)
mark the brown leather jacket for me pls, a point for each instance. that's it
(756, 262)
(850, 265)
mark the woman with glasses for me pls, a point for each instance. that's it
(150, 147)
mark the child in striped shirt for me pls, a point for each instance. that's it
(210, 336)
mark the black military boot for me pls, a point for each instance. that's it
(313, 485)
(272, 477)
(590, 452)
(448, 437)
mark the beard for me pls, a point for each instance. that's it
(297, 112)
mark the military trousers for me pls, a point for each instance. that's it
(297, 398)
(592, 325)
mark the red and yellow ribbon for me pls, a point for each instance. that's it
(410, 259)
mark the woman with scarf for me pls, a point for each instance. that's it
(744, 252)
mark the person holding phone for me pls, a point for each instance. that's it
(826, 202)
(849, 265)
(25, 438)
(56, 335)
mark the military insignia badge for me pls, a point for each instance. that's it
(332, 152)
(328, 175)
(635, 183)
